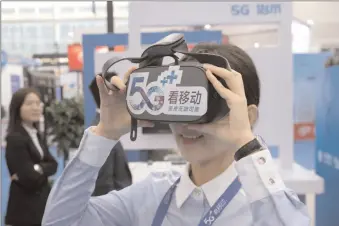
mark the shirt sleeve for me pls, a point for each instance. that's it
(271, 202)
(70, 201)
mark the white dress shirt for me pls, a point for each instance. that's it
(33, 133)
(263, 200)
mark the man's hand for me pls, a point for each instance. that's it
(115, 120)
(235, 128)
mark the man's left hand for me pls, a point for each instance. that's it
(235, 128)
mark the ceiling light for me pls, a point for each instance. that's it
(207, 26)
(256, 45)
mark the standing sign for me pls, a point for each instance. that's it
(327, 151)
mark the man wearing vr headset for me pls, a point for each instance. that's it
(231, 178)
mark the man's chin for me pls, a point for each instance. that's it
(190, 152)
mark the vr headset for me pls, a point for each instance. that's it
(176, 93)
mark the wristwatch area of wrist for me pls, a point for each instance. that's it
(255, 145)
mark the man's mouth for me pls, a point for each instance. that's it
(191, 137)
(188, 139)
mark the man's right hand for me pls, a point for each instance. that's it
(115, 120)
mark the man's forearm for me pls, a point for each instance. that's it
(69, 199)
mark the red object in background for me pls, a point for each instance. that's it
(190, 46)
(75, 55)
(75, 61)
(119, 48)
(304, 131)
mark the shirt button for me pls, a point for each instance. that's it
(197, 192)
(271, 181)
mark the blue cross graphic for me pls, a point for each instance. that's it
(172, 77)
(163, 82)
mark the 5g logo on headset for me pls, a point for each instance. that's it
(142, 97)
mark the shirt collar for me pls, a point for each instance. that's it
(30, 130)
(212, 189)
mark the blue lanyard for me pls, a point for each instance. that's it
(212, 214)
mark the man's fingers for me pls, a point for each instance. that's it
(232, 78)
(117, 82)
(225, 93)
(128, 73)
(102, 89)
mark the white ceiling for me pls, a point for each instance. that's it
(320, 12)
(325, 17)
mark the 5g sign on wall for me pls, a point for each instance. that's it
(259, 9)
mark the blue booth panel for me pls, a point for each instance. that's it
(327, 151)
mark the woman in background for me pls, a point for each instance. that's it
(28, 159)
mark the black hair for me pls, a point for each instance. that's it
(239, 61)
(17, 101)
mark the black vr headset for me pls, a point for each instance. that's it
(176, 93)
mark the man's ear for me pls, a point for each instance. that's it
(252, 114)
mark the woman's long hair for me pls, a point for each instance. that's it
(17, 101)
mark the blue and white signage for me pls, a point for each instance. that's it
(260, 9)
(218, 12)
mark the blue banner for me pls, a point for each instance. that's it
(327, 151)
